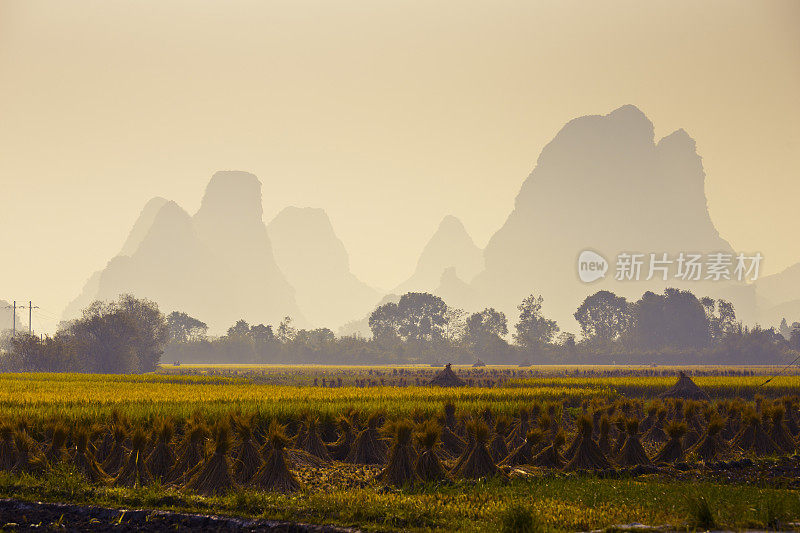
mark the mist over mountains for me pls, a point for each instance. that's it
(217, 264)
(604, 183)
(315, 262)
(779, 296)
(450, 247)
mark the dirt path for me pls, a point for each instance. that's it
(35, 516)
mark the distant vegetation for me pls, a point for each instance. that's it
(130, 335)
(673, 327)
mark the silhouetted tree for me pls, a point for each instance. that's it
(533, 330)
(29, 353)
(603, 316)
(285, 330)
(384, 322)
(675, 318)
(124, 336)
(488, 324)
(422, 316)
(185, 328)
(484, 336)
(794, 337)
(784, 329)
(240, 329)
(721, 317)
(262, 334)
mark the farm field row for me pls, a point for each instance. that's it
(86, 396)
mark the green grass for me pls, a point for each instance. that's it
(553, 503)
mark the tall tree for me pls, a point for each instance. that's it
(240, 329)
(603, 316)
(185, 328)
(422, 316)
(533, 330)
(384, 322)
(484, 335)
(488, 324)
(124, 336)
(286, 331)
(784, 329)
(262, 334)
(676, 319)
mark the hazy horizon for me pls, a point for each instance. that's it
(372, 112)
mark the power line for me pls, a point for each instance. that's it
(30, 308)
(781, 372)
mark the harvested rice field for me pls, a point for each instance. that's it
(383, 449)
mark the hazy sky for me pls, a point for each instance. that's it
(387, 114)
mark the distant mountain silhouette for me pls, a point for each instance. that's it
(217, 265)
(604, 184)
(779, 297)
(455, 291)
(449, 247)
(142, 225)
(135, 237)
(316, 264)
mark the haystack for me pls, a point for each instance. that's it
(428, 467)
(56, 451)
(115, 458)
(368, 448)
(341, 448)
(28, 461)
(84, 461)
(588, 455)
(550, 456)
(190, 454)
(656, 432)
(779, 433)
(752, 438)
(274, 474)
(524, 452)
(520, 431)
(710, 446)
(498, 447)
(162, 458)
(789, 418)
(650, 419)
(452, 443)
(400, 469)
(632, 452)
(447, 378)
(685, 389)
(246, 458)
(469, 445)
(672, 452)
(134, 472)
(734, 423)
(621, 432)
(215, 475)
(479, 462)
(310, 441)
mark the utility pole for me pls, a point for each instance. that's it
(14, 317)
(31, 307)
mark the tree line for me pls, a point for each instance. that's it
(671, 327)
(131, 335)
